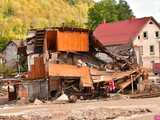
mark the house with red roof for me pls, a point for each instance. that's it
(142, 33)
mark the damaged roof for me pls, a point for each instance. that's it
(121, 32)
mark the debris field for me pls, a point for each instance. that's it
(71, 75)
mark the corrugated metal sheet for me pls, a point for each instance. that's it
(70, 41)
(33, 89)
(50, 40)
(54, 84)
(37, 69)
(64, 70)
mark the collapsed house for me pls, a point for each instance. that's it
(61, 51)
(64, 60)
(71, 61)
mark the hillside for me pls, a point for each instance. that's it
(17, 16)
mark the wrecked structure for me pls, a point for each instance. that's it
(60, 51)
(64, 60)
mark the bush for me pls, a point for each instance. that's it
(6, 71)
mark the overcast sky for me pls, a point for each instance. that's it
(143, 8)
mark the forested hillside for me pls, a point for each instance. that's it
(17, 16)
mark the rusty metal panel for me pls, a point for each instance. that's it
(85, 77)
(54, 84)
(72, 41)
(33, 72)
(36, 63)
(37, 69)
(50, 40)
(64, 70)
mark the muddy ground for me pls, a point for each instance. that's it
(106, 109)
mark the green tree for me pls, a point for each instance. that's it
(124, 10)
(3, 42)
(8, 9)
(109, 11)
(73, 2)
(71, 23)
(6, 71)
(17, 16)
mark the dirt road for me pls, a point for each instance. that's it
(123, 109)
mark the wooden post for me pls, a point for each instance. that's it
(132, 84)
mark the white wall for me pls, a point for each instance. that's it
(10, 54)
(147, 58)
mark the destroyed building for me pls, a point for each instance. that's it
(64, 60)
(57, 47)
(68, 60)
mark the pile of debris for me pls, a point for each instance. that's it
(152, 90)
(73, 62)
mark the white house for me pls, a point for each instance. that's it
(147, 44)
(142, 33)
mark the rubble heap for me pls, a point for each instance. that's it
(73, 62)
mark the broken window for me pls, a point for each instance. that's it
(157, 34)
(145, 35)
(151, 50)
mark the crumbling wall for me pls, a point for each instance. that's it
(34, 89)
(37, 69)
